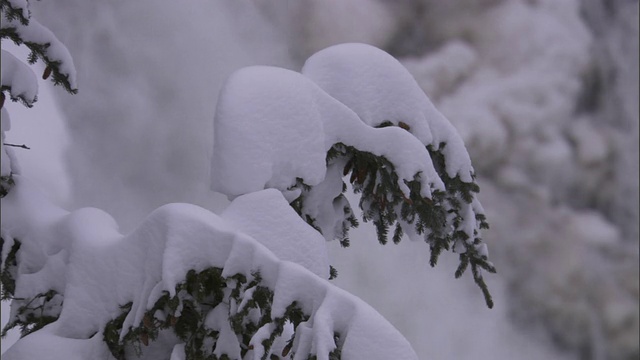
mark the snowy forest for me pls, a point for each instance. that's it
(274, 127)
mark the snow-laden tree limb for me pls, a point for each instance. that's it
(18, 79)
(183, 273)
(353, 111)
(44, 45)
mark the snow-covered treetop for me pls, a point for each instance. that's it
(355, 110)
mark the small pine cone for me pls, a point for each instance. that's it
(404, 125)
(47, 73)
(286, 349)
(144, 337)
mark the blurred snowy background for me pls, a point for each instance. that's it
(544, 93)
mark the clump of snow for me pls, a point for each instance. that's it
(261, 215)
(23, 5)
(267, 132)
(84, 257)
(20, 79)
(273, 126)
(378, 88)
(54, 51)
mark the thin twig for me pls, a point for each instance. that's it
(23, 146)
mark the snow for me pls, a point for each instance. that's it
(441, 71)
(19, 78)
(179, 125)
(227, 342)
(313, 25)
(274, 125)
(5, 160)
(178, 352)
(267, 132)
(23, 5)
(592, 146)
(266, 216)
(34, 32)
(97, 269)
(378, 88)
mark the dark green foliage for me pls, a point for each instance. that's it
(111, 333)
(438, 217)
(38, 51)
(34, 313)
(333, 272)
(6, 182)
(7, 271)
(12, 13)
(336, 354)
(184, 314)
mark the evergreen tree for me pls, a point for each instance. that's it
(249, 283)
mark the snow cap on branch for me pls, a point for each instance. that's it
(275, 126)
(19, 79)
(379, 88)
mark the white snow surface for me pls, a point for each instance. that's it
(19, 77)
(22, 5)
(55, 51)
(378, 88)
(5, 160)
(82, 255)
(273, 125)
(260, 215)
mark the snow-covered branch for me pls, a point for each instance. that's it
(18, 79)
(183, 274)
(43, 44)
(354, 110)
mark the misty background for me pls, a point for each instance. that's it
(544, 93)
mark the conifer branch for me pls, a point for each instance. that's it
(23, 146)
